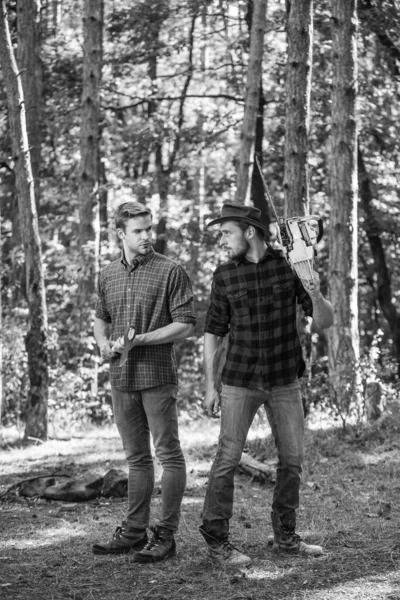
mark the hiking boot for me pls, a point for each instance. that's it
(160, 547)
(124, 540)
(287, 541)
(221, 551)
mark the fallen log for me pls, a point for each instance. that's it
(263, 472)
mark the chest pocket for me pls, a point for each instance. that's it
(282, 294)
(239, 303)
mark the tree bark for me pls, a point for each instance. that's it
(257, 193)
(36, 339)
(247, 141)
(343, 269)
(297, 120)
(29, 62)
(384, 285)
(89, 225)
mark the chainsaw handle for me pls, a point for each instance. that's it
(320, 230)
(320, 226)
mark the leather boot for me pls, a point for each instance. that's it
(159, 547)
(286, 539)
(124, 540)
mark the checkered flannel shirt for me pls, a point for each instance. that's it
(256, 304)
(150, 293)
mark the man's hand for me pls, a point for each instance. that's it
(312, 286)
(107, 351)
(118, 346)
(322, 308)
(212, 403)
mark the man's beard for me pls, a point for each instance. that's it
(240, 252)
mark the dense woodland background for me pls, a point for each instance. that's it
(155, 113)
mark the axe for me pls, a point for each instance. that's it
(129, 337)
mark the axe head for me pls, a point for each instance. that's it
(129, 336)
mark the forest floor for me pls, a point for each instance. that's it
(350, 503)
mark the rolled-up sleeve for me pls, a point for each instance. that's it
(219, 312)
(180, 297)
(303, 298)
(101, 310)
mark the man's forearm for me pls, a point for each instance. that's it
(101, 331)
(212, 345)
(165, 335)
(322, 312)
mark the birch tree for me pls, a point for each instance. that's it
(343, 269)
(29, 61)
(36, 338)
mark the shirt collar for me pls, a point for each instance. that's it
(139, 261)
(269, 252)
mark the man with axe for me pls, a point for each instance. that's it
(253, 300)
(145, 303)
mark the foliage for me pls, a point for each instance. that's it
(146, 109)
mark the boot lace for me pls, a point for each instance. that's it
(226, 547)
(118, 533)
(155, 540)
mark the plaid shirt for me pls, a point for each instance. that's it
(256, 304)
(150, 293)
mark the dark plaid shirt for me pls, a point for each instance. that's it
(152, 292)
(256, 304)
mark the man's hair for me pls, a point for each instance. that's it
(129, 210)
(244, 227)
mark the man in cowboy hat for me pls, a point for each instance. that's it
(254, 298)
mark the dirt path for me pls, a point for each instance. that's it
(350, 504)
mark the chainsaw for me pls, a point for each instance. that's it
(297, 237)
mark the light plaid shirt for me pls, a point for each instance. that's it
(256, 304)
(152, 292)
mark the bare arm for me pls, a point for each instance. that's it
(163, 335)
(212, 345)
(102, 331)
(322, 308)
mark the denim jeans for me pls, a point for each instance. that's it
(284, 410)
(137, 414)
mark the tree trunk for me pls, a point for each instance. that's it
(247, 142)
(36, 339)
(164, 171)
(89, 226)
(297, 121)
(343, 269)
(29, 62)
(373, 231)
(257, 193)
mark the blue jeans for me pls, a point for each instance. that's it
(284, 410)
(137, 414)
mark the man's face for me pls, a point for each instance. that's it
(233, 240)
(137, 237)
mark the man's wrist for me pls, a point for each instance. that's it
(140, 339)
(317, 298)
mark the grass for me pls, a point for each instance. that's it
(350, 504)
